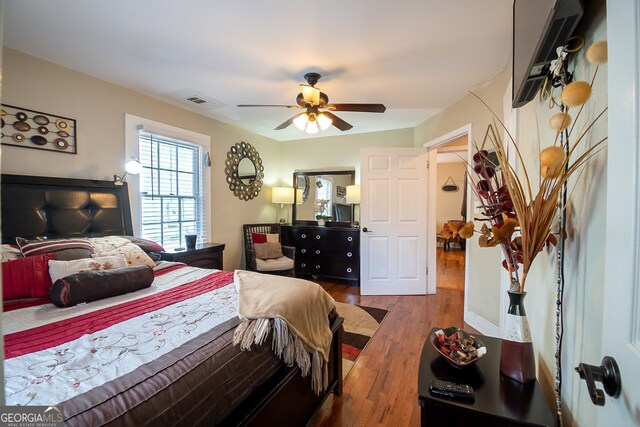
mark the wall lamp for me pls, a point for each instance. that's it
(133, 167)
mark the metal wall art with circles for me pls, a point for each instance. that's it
(26, 128)
(244, 170)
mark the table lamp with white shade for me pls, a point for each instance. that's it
(283, 196)
(353, 198)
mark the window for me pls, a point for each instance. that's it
(324, 189)
(171, 189)
(173, 193)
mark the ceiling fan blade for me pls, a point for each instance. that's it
(268, 105)
(364, 108)
(337, 121)
(310, 94)
(288, 122)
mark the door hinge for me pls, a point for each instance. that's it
(427, 271)
(428, 163)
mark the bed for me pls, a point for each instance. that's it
(166, 353)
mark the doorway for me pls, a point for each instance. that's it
(452, 147)
(451, 211)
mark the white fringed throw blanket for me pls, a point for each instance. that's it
(297, 312)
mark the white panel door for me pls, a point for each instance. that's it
(393, 221)
(621, 308)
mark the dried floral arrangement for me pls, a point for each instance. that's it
(522, 220)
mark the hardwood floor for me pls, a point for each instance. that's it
(381, 389)
(450, 269)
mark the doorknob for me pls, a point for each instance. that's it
(365, 230)
(607, 373)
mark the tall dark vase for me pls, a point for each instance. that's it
(516, 357)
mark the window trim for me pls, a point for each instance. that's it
(132, 124)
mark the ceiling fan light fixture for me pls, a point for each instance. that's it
(301, 121)
(312, 126)
(310, 94)
(323, 121)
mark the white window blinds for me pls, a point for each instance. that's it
(171, 189)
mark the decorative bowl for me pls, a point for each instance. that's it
(459, 348)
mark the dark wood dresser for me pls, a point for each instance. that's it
(325, 251)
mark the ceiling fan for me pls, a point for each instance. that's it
(317, 115)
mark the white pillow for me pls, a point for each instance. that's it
(273, 238)
(60, 269)
(107, 243)
(132, 253)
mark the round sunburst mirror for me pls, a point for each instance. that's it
(244, 171)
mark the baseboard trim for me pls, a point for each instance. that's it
(481, 324)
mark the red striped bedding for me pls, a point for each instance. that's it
(53, 355)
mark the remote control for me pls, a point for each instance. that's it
(449, 389)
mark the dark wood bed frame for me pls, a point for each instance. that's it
(61, 207)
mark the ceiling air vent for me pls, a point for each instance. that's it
(196, 100)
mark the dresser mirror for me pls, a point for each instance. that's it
(321, 195)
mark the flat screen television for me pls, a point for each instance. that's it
(341, 212)
(539, 27)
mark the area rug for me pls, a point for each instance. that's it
(360, 323)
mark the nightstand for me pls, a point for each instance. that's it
(499, 401)
(205, 255)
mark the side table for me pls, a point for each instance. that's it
(205, 255)
(499, 400)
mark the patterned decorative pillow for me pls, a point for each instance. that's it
(60, 269)
(62, 249)
(132, 253)
(107, 243)
(268, 250)
(8, 253)
(26, 277)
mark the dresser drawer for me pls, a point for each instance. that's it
(342, 268)
(337, 238)
(326, 251)
(302, 234)
(304, 264)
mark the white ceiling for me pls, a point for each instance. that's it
(415, 56)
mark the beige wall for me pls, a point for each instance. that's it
(336, 153)
(483, 286)
(584, 251)
(99, 109)
(449, 204)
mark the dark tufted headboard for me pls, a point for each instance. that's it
(34, 206)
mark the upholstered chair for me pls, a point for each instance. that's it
(266, 262)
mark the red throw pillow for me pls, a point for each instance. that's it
(26, 277)
(259, 238)
(153, 246)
